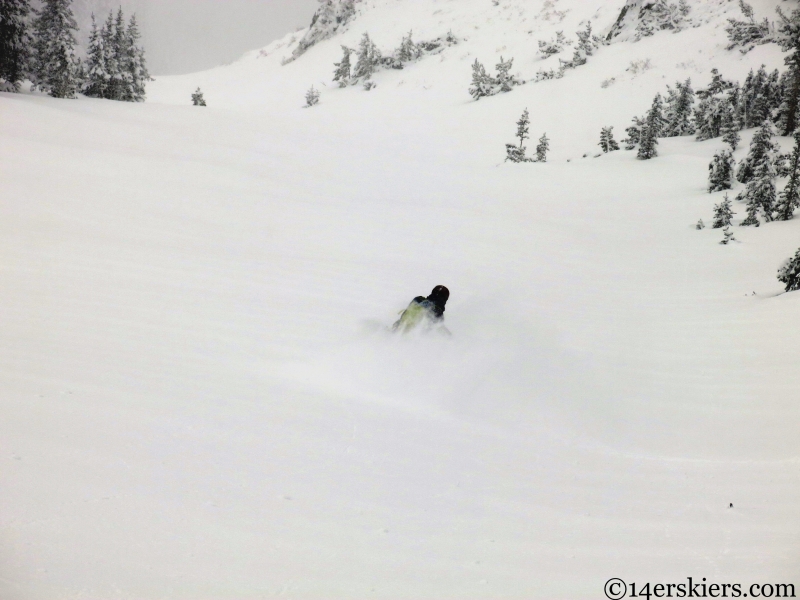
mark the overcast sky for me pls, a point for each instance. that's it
(182, 36)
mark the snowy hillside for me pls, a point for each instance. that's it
(200, 397)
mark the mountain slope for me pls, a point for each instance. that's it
(201, 401)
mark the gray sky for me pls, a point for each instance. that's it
(182, 36)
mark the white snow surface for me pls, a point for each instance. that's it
(199, 395)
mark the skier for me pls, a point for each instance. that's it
(430, 309)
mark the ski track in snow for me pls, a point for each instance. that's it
(200, 399)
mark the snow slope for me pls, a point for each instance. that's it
(199, 397)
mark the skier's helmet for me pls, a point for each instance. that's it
(439, 295)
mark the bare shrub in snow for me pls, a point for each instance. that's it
(637, 67)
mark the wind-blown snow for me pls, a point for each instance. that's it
(200, 399)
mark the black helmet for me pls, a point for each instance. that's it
(439, 295)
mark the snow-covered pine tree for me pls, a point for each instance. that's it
(516, 153)
(730, 123)
(651, 131)
(342, 72)
(728, 236)
(789, 198)
(408, 50)
(504, 80)
(760, 193)
(607, 141)
(762, 148)
(312, 97)
(542, 148)
(54, 66)
(197, 98)
(587, 43)
(97, 77)
(748, 33)
(14, 43)
(723, 213)
(136, 63)
(368, 57)
(634, 132)
(708, 115)
(549, 48)
(108, 38)
(121, 81)
(678, 110)
(789, 39)
(789, 273)
(720, 171)
(482, 83)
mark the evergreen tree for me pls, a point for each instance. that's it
(728, 236)
(197, 98)
(748, 33)
(108, 39)
(607, 141)
(789, 29)
(408, 50)
(516, 153)
(789, 198)
(553, 46)
(14, 43)
(730, 124)
(136, 64)
(761, 102)
(96, 82)
(762, 150)
(481, 82)
(587, 43)
(709, 114)
(678, 110)
(541, 148)
(121, 79)
(760, 192)
(54, 66)
(651, 131)
(720, 171)
(723, 213)
(634, 132)
(504, 80)
(368, 58)
(789, 273)
(312, 97)
(342, 72)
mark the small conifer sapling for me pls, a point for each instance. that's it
(723, 213)
(312, 97)
(342, 72)
(607, 141)
(728, 236)
(542, 147)
(197, 98)
(514, 152)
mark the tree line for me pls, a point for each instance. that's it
(39, 45)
